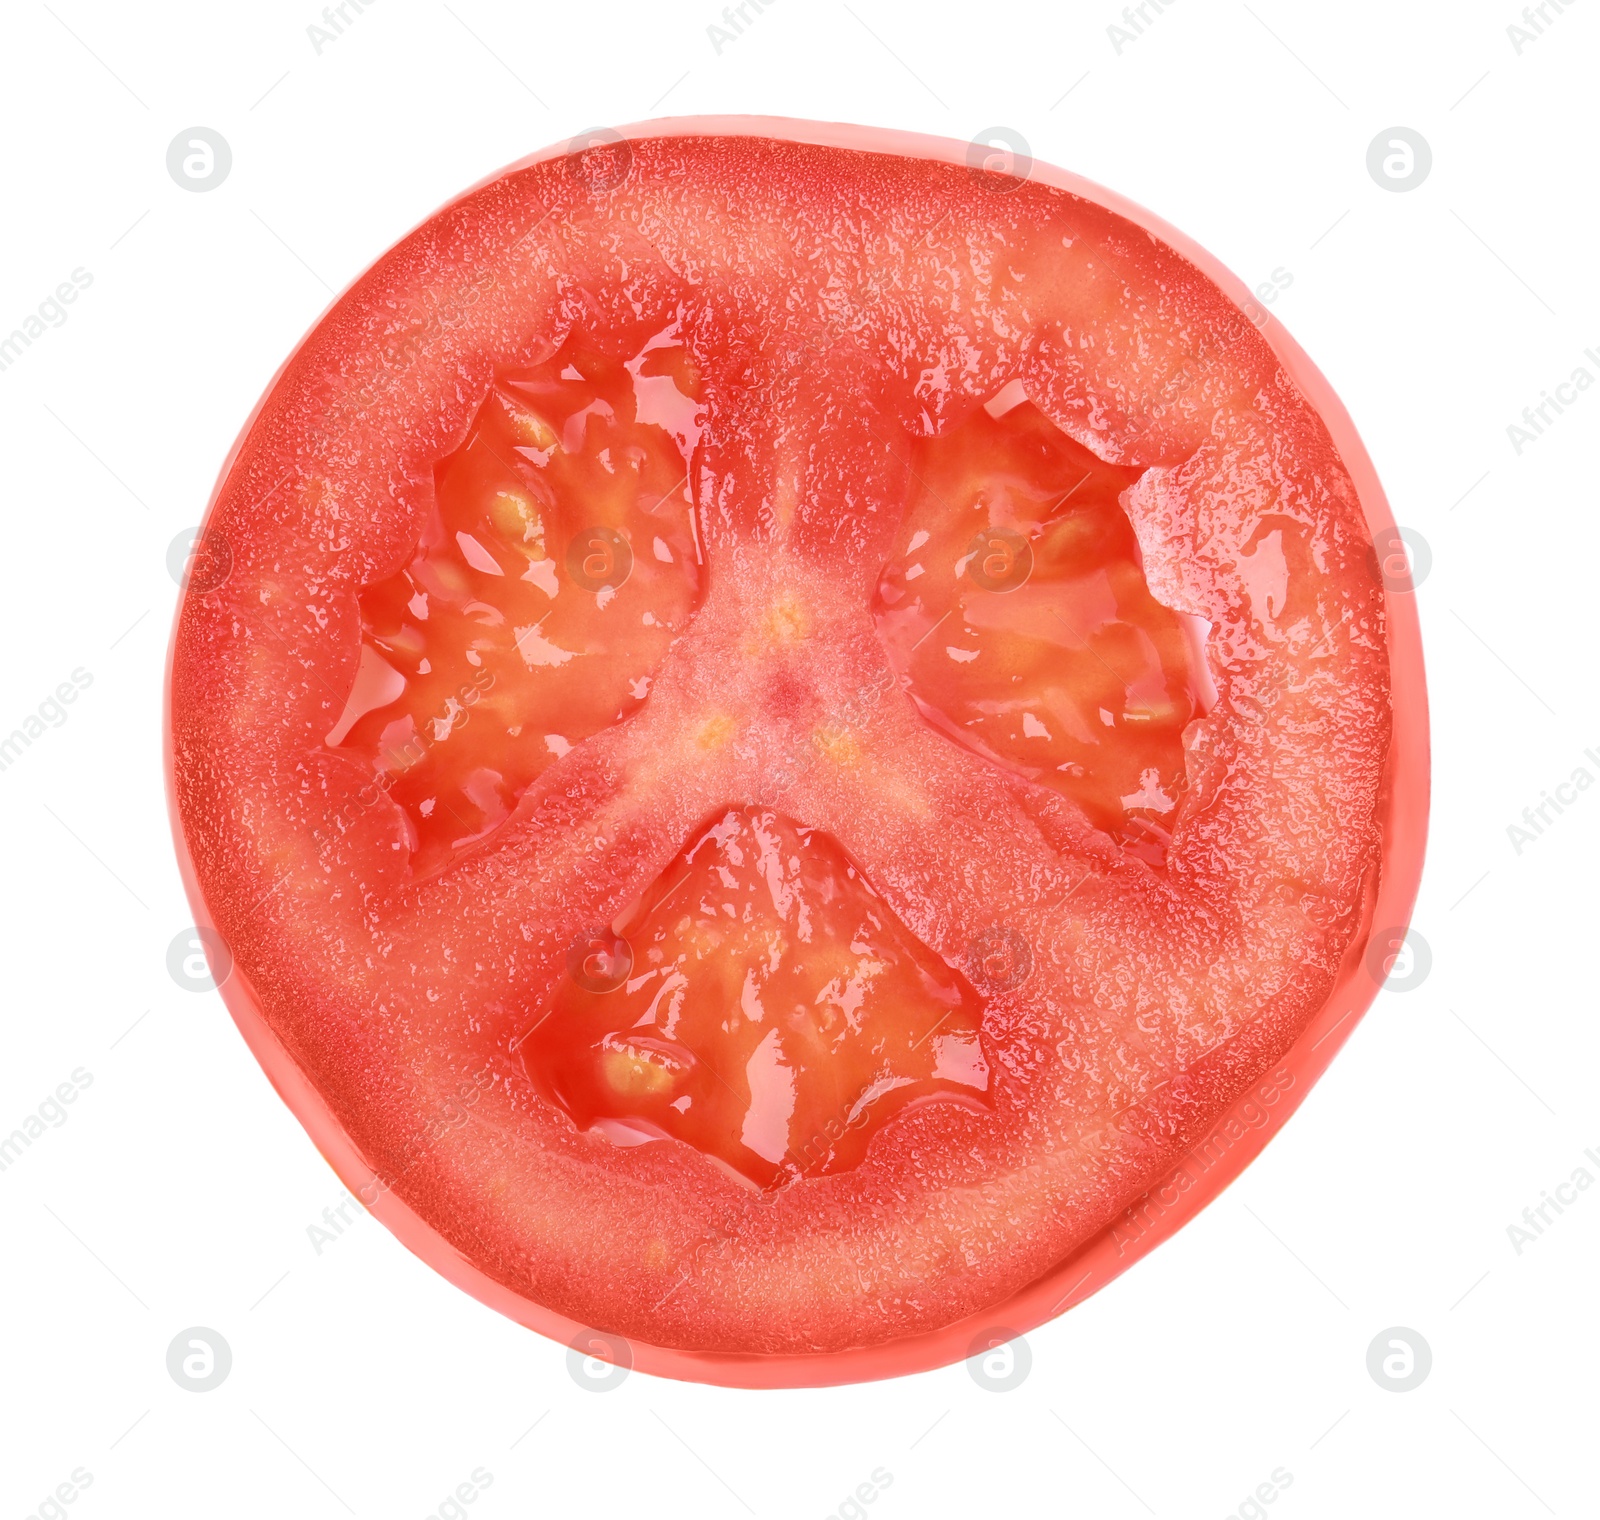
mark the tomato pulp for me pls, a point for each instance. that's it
(798, 745)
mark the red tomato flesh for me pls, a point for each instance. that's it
(762, 1003)
(787, 728)
(1058, 661)
(472, 625)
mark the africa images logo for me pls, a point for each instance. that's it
(50, 312)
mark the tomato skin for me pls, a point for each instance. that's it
(1188, 1186)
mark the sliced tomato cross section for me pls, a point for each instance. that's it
(797, 743)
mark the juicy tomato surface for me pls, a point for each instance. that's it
(788, 729)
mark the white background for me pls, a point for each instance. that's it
(179, 1191)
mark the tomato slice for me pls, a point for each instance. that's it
(800, 745)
